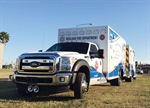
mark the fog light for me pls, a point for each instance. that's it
(62, 79)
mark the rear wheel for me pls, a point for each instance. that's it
(81, 86)
(134, 78)
(128, 79)
(118, 81)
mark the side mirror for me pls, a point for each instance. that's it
(100, 53)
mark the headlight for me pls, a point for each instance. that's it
(16, 64)
(66, 60)
(66, 63)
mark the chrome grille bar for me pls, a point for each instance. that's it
(37, 65)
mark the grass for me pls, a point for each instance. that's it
(4, 73)
(129, 95)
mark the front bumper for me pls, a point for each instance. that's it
(59, 79)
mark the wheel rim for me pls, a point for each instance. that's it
(84, 86)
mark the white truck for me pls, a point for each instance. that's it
(83, 56)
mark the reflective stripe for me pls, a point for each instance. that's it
(127, 60)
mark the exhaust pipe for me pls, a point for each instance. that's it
(30, 88)
(36, 89)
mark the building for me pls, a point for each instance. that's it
(1, 54)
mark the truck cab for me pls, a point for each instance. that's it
(63, 66)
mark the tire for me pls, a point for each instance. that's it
(116, 82)
(134, 78)
(81, 86)
(128, 79)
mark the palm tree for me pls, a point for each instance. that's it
(4, 37)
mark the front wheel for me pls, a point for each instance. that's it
(81, 86)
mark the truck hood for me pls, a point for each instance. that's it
(53, 53)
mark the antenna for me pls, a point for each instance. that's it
(84, 24)
(43, 41)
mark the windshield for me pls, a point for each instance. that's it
(73, 47)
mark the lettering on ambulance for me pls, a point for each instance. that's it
(118, 51)
(81, 38)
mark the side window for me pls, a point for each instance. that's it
(93, 51)
(93, 48)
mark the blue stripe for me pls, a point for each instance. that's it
(94, 73)
(116, 70)
(112, 34)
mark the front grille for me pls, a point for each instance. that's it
(33, 80)
(37, 65)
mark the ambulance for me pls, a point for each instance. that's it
(82, 57)
(130, 64)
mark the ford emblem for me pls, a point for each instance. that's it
(34, 64)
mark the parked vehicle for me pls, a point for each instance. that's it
(83, 56)
(139, 71)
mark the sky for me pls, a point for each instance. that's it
(33, 24)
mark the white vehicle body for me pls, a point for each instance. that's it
(105, 38)
(130, 62)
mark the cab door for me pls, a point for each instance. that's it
(96, 74)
